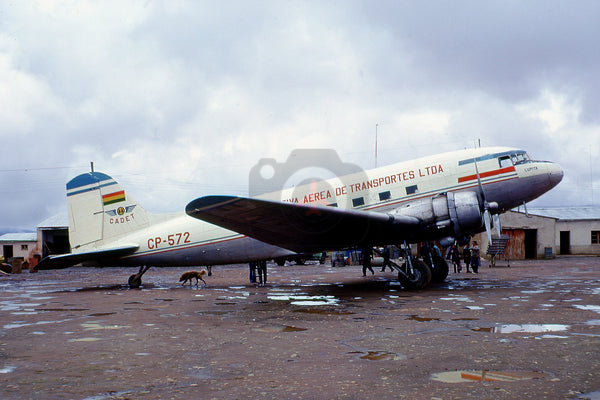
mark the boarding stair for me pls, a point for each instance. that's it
(498, 247)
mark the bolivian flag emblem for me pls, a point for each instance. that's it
(113, 198)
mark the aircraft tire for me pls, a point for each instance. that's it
(135, 281)
(440, 270)
(420, 278)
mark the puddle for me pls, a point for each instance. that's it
(421, 319)
(381, 356)
(486, 376)
(94, 326)
(590, 396)
(109, 395)
(86, 339)
(323, 312)
(21, 324)
(7, 370)
(304, 300)
(588, 308)
(278, 328)
(458, 298)
(523, 328)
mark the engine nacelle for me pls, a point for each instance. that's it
(448, 214)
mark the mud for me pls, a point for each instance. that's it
(528, 331)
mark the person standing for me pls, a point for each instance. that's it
(467, 256)
(387, 255)
(367, 253)
(454, 256)
(262, 272)
(253, 266)
(475, 257)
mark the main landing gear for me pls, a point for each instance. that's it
(135, 281)
(439, 266)
(414, 274)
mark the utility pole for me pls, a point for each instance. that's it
(376, 125)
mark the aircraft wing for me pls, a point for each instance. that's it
(68, 260)
(299, 227)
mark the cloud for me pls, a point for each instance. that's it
(179, 99)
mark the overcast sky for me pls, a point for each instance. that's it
(179, 99)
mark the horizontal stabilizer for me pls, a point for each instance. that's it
(68, 260)
(301, 227)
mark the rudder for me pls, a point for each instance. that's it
(100, 210)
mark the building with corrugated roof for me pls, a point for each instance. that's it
(53, 235)
(21, 245)
(550, 231)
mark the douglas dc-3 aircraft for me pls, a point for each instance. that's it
(446, 197)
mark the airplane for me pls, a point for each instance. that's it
(447, 197)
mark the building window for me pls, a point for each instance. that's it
(412, 189)
(595, 237)
(359, 201)
(24, 247)
(383, 196)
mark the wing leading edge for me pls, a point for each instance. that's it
(299, 227)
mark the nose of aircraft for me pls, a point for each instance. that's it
(555, 173)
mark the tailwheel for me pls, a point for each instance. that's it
(135, 281)
(418, 278)
(439, 270)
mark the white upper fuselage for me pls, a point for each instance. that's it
(508, 178)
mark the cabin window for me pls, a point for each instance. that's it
(24, 247)
(595, 237)
(359, 201)
(383, 196)
(412, 189)
(504, 161)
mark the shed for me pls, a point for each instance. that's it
(53, 235)
(21, 245)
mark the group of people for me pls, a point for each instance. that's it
(470, 255)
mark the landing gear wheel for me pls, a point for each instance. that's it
(420, 277)
(440, 270)
(135, 281)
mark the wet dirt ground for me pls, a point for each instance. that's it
(531, 331)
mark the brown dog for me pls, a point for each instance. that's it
(188, 276)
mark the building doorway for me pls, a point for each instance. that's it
(565, 242)
(7, 252)
(530, 243)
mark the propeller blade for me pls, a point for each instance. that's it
(497, 224)
(481, 192)
(488, 223)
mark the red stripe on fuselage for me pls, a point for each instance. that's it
(487, 174)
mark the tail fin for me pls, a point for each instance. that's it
(100, 211)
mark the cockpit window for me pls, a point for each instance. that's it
(519, 158)
(508, 160)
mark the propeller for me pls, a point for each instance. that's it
(488, 208)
